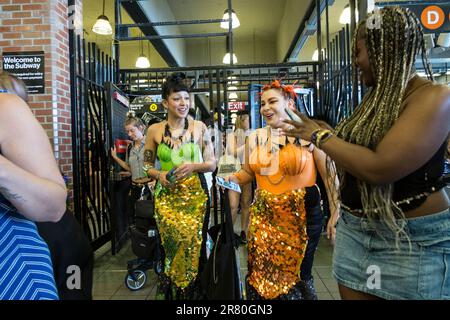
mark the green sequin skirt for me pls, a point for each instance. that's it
(180, 213)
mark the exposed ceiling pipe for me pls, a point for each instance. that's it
(306, 28)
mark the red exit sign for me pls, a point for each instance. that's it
(236, 106)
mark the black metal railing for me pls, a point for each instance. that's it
(337, 86)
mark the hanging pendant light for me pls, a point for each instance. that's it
(102, 25)
(142, 61)
(315, 56)
(226, 58)
(234, 20)
(345, 17)
(232, 96)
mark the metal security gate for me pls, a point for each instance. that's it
(213, 85)
(90, 70)
(218, 82)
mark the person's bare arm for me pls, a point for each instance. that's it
(150, 156)
(417, 134)
(29, 176)
(331, 182)
(119, 161)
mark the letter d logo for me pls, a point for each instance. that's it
(432, 17)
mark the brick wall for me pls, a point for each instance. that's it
(42, 25)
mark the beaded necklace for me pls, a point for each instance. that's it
(170, 138)
(279, 147)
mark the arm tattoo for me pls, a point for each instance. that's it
(8, 195)
(149, 156)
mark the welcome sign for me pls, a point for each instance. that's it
(27, 66)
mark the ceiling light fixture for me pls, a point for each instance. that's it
(315, 56)
(226, 58)
(345, 17)
(232, 96)
(234, 20)
(102, 25)
(142, 61)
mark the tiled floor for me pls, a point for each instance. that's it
(110, 272)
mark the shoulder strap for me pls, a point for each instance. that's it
(129, 148)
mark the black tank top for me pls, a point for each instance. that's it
(426, 179)
(417, 185)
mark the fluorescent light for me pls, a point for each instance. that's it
(345, 16)
(226, 58)
(234, 20)
(142, 62)
(232, 88)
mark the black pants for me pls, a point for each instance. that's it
(314, 223)
(120, 192)
(72, 257)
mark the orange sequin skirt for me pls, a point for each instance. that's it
(179, 214)
(277, 242)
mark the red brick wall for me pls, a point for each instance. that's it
(42, 25)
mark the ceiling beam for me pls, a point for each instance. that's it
(136, 13)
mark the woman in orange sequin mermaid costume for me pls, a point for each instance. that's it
(181, 199)
(283, 169)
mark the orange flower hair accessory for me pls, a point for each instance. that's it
(288, 90)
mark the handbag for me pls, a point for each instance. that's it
(220, 278)
(145, 211)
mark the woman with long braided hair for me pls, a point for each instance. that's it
(393, 237)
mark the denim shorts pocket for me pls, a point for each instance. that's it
(434, 268)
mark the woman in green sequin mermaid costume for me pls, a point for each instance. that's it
(180, 200)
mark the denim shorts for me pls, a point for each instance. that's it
(366, 258)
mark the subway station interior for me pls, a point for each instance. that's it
(91, 65)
